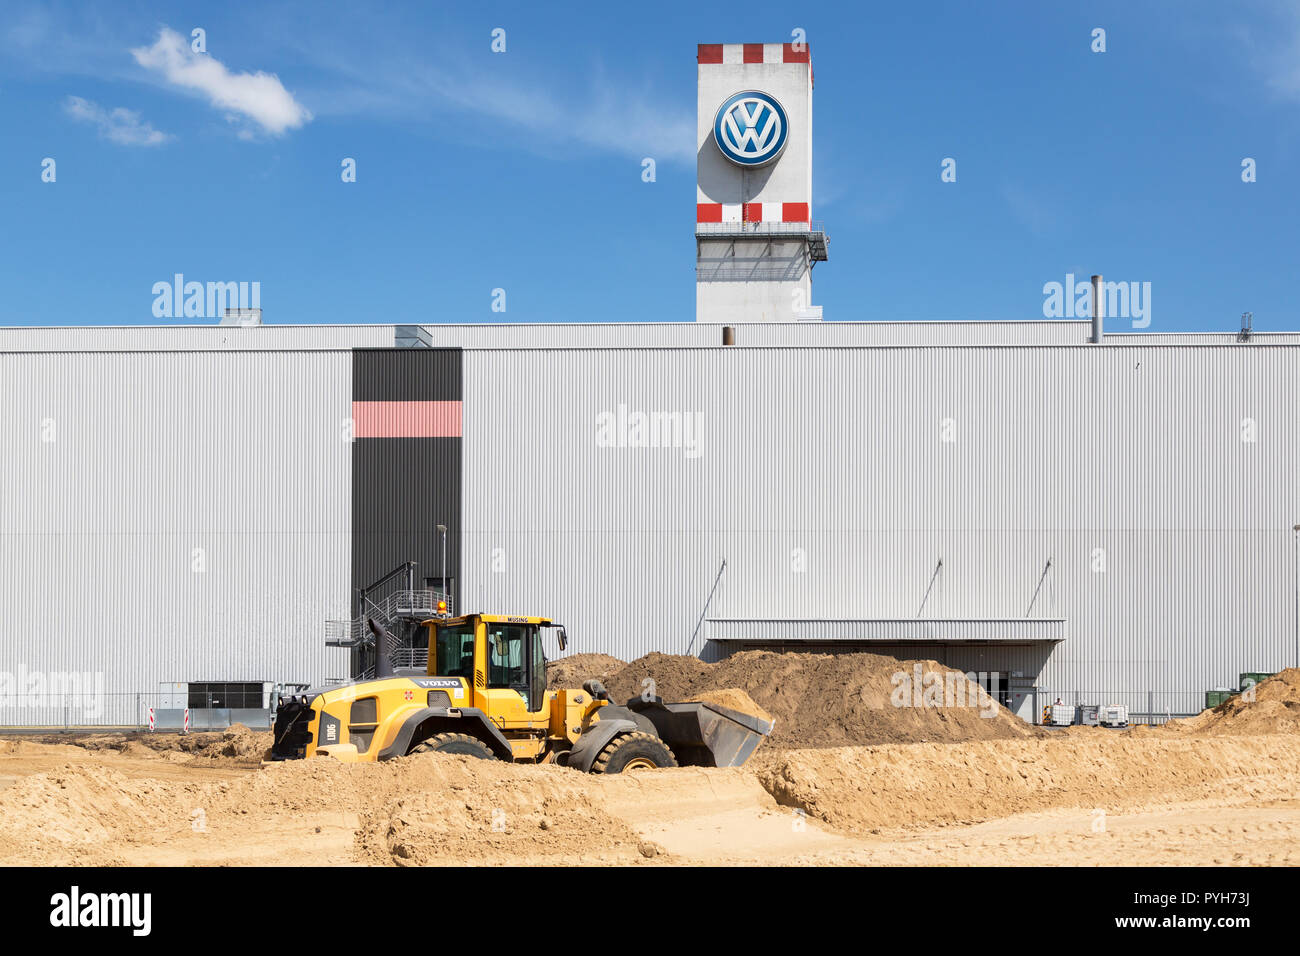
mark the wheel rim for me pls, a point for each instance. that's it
(639, 763)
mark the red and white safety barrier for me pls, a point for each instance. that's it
(187, 721)
(150, 720)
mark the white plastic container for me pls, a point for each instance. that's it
(1113, 715)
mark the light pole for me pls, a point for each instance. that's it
(442, 530)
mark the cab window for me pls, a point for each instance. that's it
(507, 650)
(454, 652)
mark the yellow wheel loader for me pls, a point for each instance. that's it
(484, 695)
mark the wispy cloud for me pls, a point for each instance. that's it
(608, 120)
(119, 125)
(1273, 49)
(538, 113)
(260, 97)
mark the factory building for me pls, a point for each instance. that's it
(1063, 509)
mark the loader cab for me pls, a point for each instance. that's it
(516, 661)
(501, 659)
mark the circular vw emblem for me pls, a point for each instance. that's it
(750, 128)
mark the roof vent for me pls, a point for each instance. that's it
(412, 337)
(242, 317)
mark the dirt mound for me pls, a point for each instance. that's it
(238, 742)
(493, 813)
(670, 676)
(866, 788)
(429, 809)
(75, 813)
(833, 700)
(21, 746)
(571, 671)
(133, 748)
(1274, 709)
(1047, 795)
(735, 699)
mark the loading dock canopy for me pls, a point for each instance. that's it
(891, 631)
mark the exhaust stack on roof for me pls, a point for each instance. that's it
(1097, 311)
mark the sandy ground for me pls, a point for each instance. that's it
(1095, 800)
(876, 783)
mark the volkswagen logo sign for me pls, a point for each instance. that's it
(750, 128)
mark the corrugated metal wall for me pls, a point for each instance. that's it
(823, 477)
(191, 338)
(837, 461)
(762, 334)
(594, 335)
(150, 457)
(403, 488)
(537, 335)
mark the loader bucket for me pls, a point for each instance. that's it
(704, 735)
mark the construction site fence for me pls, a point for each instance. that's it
(125, 711)
(1149, 707)
(130, 711)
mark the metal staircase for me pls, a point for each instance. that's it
(397, 606)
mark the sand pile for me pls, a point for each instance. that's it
(571, 671)
(832, 700)
(493, 813)
(427, 809)
(74, 814)
(438, 809)
(22, 746)
(237, 744)
(1274, 710)
(734, 699)
(866, 788)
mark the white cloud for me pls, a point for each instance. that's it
(539, 113)
(1273, 48)
(610, 119)
(259, 96)
(120, 125)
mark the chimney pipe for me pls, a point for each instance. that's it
(1097, 312)
(728, 335)
(383, 649)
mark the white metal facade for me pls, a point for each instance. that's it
(171, 516)
(1135, 460)
(832, 478)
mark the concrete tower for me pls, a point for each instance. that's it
(755, 241)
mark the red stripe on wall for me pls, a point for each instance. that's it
(753, 52)
(709, 53)
(753, 212)
(794, 212)
(791, 55)
(406, 419)
(708, 212)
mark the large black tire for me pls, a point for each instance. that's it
(454, 744)
(634, 751)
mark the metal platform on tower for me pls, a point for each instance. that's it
(814, 233)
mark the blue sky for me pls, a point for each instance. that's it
(522, 170)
